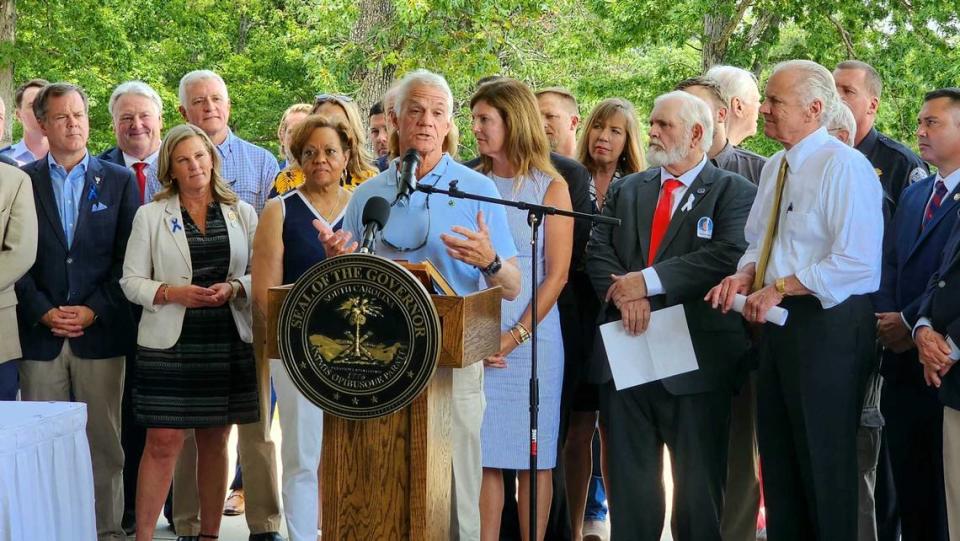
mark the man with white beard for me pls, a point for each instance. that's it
(682, 228)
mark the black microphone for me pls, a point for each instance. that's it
(375, 215)
(407, 181)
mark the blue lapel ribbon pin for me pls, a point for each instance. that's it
(92, 194)
(175, 225)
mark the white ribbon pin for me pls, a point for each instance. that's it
(688, 205)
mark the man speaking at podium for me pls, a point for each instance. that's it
(465, 240)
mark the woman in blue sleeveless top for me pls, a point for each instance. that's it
(285, 247)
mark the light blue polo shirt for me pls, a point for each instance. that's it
(412, 223)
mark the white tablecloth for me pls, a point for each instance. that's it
(46, 478)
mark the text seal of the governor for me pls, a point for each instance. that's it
(359, 336)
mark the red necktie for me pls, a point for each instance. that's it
(661, 217)
(141, 179)
(939, 190)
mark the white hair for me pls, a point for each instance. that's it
(693, 111)
(734, 82)
(816, 84)
(416, 78)
(840, 117)
(136, 88)
(195, 77)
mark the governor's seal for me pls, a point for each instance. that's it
(359, 336)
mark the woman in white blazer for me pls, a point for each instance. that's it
(187, 264)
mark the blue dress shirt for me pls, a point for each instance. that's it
(67, 190)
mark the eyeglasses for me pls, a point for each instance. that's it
(426, 234)
(325, 98)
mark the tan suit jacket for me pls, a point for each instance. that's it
(157, 253)
(18, 250)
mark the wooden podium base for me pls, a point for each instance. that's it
(381, 481)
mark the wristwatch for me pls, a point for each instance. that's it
(492, 268)
(781, 285)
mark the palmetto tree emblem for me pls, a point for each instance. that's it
(356, 311)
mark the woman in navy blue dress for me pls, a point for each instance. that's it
(286, 246)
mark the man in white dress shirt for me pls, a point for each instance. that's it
(815, 235)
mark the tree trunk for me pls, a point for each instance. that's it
(8, 25)
(373, 75)
(718, 28)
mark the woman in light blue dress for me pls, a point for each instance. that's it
(515, 154)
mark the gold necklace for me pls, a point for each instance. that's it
(333, 209)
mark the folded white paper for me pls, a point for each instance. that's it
(775, 315)
(664, 350)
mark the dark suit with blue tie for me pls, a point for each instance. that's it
(914, 416)
(84, 272)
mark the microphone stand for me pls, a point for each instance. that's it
(535, 214)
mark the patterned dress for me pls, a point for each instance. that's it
(208, 378)
(505, 433)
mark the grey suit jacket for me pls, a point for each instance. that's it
(18, 250)
(687, 264)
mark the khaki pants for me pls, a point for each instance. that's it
(951, 468)
(468, 406)
(98, 383)
(258, 459)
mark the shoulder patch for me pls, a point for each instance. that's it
(918, 173)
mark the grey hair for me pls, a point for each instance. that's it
(692, 112)
(816, 84)
(195, 77)
(734, 82)
(135, 88)
(840, 117)
(421, 77)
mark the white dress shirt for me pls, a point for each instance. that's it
(150, 160)
(830, 232)
(650, 276)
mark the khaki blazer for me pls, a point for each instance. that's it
(18, 250)
(158, 253)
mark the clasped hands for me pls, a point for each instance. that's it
(934, 352)
(68, 321)
(628, 293)
(193, 296)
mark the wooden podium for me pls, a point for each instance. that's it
(390, 478)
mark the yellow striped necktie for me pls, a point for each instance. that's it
(772, 224)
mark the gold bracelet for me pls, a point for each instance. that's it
(165, 287)
(524, 333)
(515, 339)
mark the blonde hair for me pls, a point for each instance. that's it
(218, 188)
(282, 127)
(631, 160)
(525, 143)
(361, 161)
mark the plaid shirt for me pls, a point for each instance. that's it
(249, 170)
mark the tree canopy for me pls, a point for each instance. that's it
(273, 53)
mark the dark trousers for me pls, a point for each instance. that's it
(133, 438)
(9, 380)
(810, 387)
(914, 434)
(640, 421)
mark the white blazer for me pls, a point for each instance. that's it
(158, 253)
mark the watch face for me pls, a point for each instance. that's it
(359, 336)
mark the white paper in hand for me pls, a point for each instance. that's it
(775, 315)
(664, 350)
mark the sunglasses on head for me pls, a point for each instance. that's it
(325, 98)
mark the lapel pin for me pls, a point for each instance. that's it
(956, 197)
(175, 225)
(688, 205)
(701, 190)
(96, 180)
(92, 194)
(232, 216)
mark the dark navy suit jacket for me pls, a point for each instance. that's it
(910, 257)
(85, 273)
(941, 304)
(115, 156)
